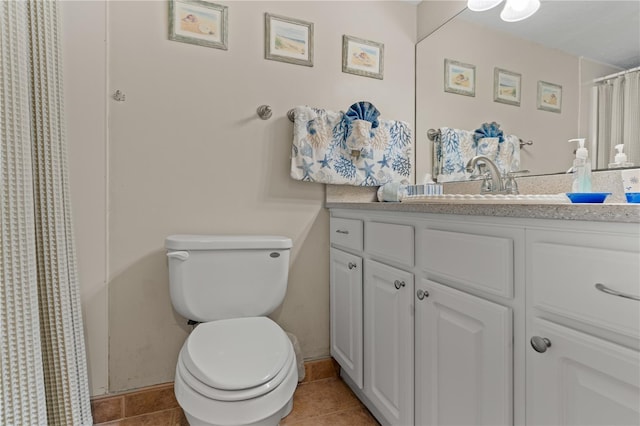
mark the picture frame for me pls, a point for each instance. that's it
(549, 97)
(199, 22)
(288, 40)
(459, 78)
(506, 86)
(362, 57)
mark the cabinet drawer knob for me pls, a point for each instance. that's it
(421, 294)
(399, 284)
(540, 344)
(352, 265)
(340, 231)
(603, 288)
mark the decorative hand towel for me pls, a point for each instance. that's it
(324, 143)
(455, 150)
(457, 147)
(503, 150)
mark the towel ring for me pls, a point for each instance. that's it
(291, 115)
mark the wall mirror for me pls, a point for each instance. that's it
(568, 44)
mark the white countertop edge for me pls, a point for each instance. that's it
(607, 212)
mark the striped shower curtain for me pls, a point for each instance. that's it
(42, 353)
(619, 117)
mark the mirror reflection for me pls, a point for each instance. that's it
(569, 62)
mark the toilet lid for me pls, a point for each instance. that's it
(237, 353)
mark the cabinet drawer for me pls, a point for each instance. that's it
(390, 241)
(346, 233)
(478, 261)
(563, 279)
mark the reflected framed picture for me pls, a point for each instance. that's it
(362, 57)
(506, 87)
(288, 40)
(459, 78)
(198, 22)
(549, 97)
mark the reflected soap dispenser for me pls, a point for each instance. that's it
(621, 158)
(581, 168)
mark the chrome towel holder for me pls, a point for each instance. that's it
(265, 112)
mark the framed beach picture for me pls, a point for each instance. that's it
(459, 78)
(506, 87)
(288, 40)
(549, 97)
(362, 57)
(198, 22)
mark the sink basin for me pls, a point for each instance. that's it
(489, 198)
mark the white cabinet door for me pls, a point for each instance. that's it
(345, 307)
(464, 359)
(388, 341)
(580, 379)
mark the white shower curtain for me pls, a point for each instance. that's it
(619, 117)
(42, 357)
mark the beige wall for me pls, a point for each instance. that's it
(186, 153)
(84, 56)
(432, 14)
(467, 42)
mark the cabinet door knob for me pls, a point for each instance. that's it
(540, 344)
(352, 265)
(341, 231)
(421, 294)
(399, 284)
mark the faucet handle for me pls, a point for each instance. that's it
(517, 172)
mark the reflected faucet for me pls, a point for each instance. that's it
(492, 179)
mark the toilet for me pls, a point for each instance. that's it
(237, 367)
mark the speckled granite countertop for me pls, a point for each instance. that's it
(608, 212)
(615, 208)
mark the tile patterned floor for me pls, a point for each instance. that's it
(327, 402)
(322, 399)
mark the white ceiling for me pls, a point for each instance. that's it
(605, 31)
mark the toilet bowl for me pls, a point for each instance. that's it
(236, 372)
(237, 367)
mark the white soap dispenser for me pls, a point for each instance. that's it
(621, 158)
(581, 168)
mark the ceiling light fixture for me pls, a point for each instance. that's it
(514, 10)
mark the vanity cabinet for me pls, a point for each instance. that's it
(345, 305)
(583, 360)
(388, 341)
(345, 297)
(463, 359)
(487, 321)
(464, 351)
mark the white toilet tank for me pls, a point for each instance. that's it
(214, 277)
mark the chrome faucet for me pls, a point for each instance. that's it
(492, 179)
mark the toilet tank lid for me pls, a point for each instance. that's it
(226, 242)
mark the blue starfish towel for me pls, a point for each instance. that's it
(320, 152)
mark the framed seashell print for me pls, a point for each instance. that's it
(549, 97)
(459, 78)
(362, 57)
(198, 22)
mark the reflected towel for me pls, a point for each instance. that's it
(458, 147)
(319, 152)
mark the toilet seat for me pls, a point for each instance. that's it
(236, 359)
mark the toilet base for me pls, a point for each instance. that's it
(273, 420)
(266, 410)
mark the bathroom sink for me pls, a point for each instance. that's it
(489, 198)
